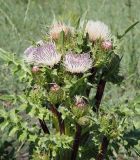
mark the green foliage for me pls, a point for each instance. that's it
(22, 103)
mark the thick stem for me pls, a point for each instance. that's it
(44, 126)
(103, 149)
(99, 94)
(93, 71)
(76, 142)
(60, 120)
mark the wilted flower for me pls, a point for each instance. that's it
(97, 30)
(80, 102)
(57, 28)
(107, 45)
(77, 63)
(43, 53)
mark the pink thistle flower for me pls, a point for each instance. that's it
(107, 45)
(42, 54)
(77, 63)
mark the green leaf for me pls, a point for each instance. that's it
(22, 136)
(82, 19)
(13, 130)
(111, 71)
(3, 113)
(7, 97)
(4, 125)
(14, 117)
(33, 138)
(22, 107)
(28, 109)
(127, 30)
(62, 37)
(6, 56)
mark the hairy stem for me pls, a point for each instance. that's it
(76, 142)
(60, 120)
(44, 126)
(103, 149)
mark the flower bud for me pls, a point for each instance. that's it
(55, 87)
(83, 121)
(35, 69)
(107, 45)
(80, 102)
(80, 107)
(56, 94)
(57, 28)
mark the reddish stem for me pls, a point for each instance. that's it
(102, 153)
(76, 142)
(99, 93)
(60, 120)
(44, 126)
(105, 141)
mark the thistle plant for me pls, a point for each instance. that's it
(54, 108)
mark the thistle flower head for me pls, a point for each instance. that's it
(97, 30)
(42, 54)
(77, 63)
(80, 102)
(57, 28)
(107, 45)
